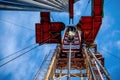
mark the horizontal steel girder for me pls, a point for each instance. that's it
(35, 5)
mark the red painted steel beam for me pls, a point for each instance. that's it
(48, 32)
(71, 10)
(90, 25)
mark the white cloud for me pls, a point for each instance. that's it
(115, 33)
(14, 38)
(118, 44)
(107, 23)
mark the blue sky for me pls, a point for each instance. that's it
(13, 37)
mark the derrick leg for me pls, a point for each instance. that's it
(89, 65)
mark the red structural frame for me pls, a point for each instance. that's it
(48, 32)
(90, 25)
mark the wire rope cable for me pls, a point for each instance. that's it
(16, 52)
(6, 21)
(27, 51)
(18, 56)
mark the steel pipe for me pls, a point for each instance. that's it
(89, 63)
(99, 71)
(69, 63)
(32, 5)
(105, 72)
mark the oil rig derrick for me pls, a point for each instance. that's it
(76, 54)
(74, 58)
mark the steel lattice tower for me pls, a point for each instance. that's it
(76, 55)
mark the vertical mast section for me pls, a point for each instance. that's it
(71, 11)
(100, 65)
(69, 63)
(91, 74)
(52, 66)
